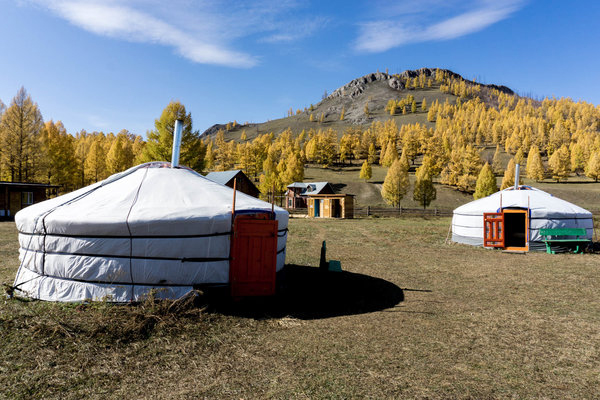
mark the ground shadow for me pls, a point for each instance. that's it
(305, 292)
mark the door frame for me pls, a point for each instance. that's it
(519, 211)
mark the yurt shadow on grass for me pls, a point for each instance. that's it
(305, 292)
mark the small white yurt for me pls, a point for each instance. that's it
(523, 211)
(151, 227)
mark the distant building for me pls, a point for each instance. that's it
(297, 194)
(244, 184)
(14, 196)
(331, 205)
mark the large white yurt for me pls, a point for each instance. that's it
(150, 227)
(523, 210)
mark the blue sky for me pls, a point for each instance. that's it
(115, 64)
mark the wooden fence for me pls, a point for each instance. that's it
(364, 212)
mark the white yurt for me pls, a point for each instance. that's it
(524, 210)
(153, 226)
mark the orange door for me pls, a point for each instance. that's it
(493, 229)
(253, 257)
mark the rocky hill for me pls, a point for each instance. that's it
(374, 89)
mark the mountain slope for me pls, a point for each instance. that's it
(374, 89)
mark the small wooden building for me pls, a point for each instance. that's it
(15, 196)
(331, 205)
(297, 194)
(244, 184)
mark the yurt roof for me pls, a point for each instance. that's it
(541, 204)
(131, 202)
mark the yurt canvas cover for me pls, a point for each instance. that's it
(150, 227)
(542, 210)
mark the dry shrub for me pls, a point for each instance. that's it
(105, 322)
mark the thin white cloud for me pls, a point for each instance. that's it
(201, 31)
(384, 34)
(300, 30)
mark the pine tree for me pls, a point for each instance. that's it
(243, 136)
(535, 167)
(159, 145)
(413, 107)
(509, 175)
(59, 152)
(431, 114)
(366, 110)
(577, 159)
(311, 118)
(424, 105)
(365, 171)
(322, 118)
(592, 169)
(20, 141)
(391, 154)
(424, 192)
(294, 169)
(496, 161)
(395, 185)
(486, 183)
(95, 162)
(343, 113)
(519, 156)
(209, 160)
(372, 153)
(120, 156)
(560, 164)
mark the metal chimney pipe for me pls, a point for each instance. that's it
(176, 143)
(517, 168)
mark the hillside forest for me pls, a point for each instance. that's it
(551, 139)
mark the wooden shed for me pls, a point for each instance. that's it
(244, 184)
(331, 205)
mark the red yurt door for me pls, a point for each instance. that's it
(253, 257)
(493, 229)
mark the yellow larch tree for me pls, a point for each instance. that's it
(396, 184)
(560, 164)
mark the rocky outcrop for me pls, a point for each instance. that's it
(357, 86)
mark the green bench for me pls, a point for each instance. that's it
(559, 235)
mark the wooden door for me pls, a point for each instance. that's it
(493, 229)
(253, 257)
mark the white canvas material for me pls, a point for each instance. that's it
(150, 227)
(546, 211)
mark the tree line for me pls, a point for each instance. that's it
(553, 138)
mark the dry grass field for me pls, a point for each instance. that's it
(410, 317)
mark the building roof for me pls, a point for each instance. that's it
(309, 187)
(222, 177)
(28, 184)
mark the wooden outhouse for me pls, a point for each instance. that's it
(331, 205)
(297, 193)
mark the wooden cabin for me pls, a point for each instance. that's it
(297, 193)
(14, 196)
(244, 184)
(331, 205)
